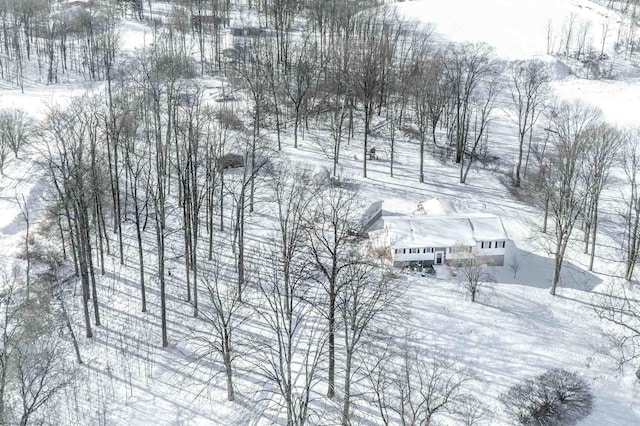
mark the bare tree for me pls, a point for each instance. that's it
(292, 351)
(571, 128)
(480, 116)
(631, 198)
(602, 155)
(17, 129)
(417, 386)
(619, 305)
(373, 51)
(300, 79)
(223, 312)
(529, 90)
(336, 91)
(73, 161)
(415, 71)
(160, 75)
(4, 154)
(137, 165)
(41, 372)
(10, 323)
(427, 84)
(472, 270)
(333, 247)
(516, 262)
(368, 292)
(255, 72)
(466, 67)
(32, 361)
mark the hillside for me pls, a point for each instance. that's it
(514, 331)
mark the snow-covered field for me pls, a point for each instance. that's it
(516, 330)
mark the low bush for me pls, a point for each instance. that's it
(555, 398)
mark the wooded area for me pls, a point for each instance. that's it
(144, 171)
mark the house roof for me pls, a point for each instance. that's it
(487, 227)
(430, 207)
(443, 231)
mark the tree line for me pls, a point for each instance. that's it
(142, 171)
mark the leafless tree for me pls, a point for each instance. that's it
(333, 245)
(223, 312)
(41, 372)
(191, 139)
(467, 66)
(32, 361)
(472, 270)
(160, 75)
(376, 34)
(516, 262)
(255, 72)
(4, 154)
(368, 291)
(480, 116)
(619, 305)
(72, 155)
(630, 152)
(300, 80)
(428, 83)
(601, 156)
(336, 95)
(529, 91)
(415, 73)
(631, 198)
(10, 323)
(255, 161)
(17, 129)
(293, 350)
(571, 129)
(417, 386)
(136, 159)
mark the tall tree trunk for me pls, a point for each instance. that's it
(332, 341)
(594, 233)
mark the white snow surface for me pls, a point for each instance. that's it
(516, 331)
(517, 29)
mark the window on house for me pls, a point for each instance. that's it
(404, 251)
(502, 244)
(414, 250)
(489, 244)
(482, 244)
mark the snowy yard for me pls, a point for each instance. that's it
(515, 330)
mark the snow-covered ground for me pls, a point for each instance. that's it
(517, 29)
(516, 330)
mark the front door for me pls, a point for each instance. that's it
(439, 256)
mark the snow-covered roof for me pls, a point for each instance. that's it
(431, 207)
(443, 231)
(487, 227)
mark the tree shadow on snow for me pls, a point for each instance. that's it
(537, 271)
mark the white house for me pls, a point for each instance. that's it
(440, 238)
